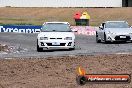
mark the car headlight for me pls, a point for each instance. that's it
(43, 38)
(68, 38)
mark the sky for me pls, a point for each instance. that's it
(61, 3)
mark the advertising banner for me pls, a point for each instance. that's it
(20, 29)
(81, 30)
(84, 30)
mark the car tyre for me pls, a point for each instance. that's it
(38, 48)
(97, 39)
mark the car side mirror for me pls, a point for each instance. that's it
(101, 27)
(74, 31)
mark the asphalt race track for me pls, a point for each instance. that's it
(24, 45)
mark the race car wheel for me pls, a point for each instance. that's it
(105, 41)
(97, 39)
(38, 48)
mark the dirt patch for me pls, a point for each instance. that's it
(60, 72)
(3, 47)
(39, 15)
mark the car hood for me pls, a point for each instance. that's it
(56, 34)
(119, 30)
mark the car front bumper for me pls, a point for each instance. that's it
(65, 44)
(118, 37)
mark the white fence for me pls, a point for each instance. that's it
(61, 3)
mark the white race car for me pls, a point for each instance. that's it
(111, 31)
(56, 35)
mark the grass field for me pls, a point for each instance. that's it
(39, 15)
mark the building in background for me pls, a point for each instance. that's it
(127, 3)
(65, 3)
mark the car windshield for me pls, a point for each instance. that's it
(117, 25)
(56, 27)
